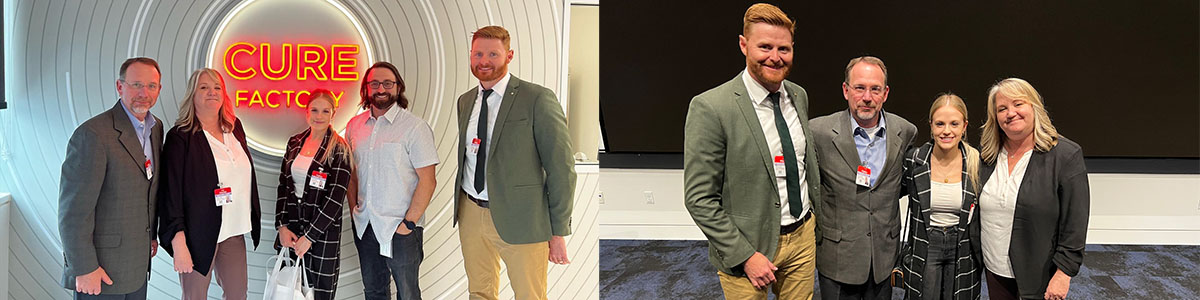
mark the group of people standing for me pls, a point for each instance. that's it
(125, 186)
(786, 202)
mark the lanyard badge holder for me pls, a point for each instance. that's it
(318, 178)
(223, 195)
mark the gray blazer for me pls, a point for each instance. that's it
(729, 177)
(860, 226)
(106, 204)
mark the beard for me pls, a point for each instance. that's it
(140, 106)
(496, 73)
(771, 78)
(381, 102)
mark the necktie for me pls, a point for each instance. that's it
(481, 162)
(789, 158)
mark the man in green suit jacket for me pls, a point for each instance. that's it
(516, 177)
(750, 173)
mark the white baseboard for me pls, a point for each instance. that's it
(1125, 230)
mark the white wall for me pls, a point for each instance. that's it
(1126, 208)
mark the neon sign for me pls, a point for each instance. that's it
(271, 53)
(299, 62)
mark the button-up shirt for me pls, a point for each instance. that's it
(998, 205)
(493, 103)
(143, 134)
(871, 144)
(388, 149)
(766, 119)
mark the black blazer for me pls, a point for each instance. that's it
(321, 208)
(185, 199)
(1051, 219)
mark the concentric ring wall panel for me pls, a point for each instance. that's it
(62, 62)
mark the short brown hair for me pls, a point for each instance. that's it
(870, 60)
(493, 32)
(140, 60)
(766, 14)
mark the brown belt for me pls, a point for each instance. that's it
(792, 227)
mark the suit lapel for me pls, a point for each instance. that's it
(128, 137)
(893, 152)
(506, 104)
(921, 181)
(465, 105)
(742, 99)
(844, 141)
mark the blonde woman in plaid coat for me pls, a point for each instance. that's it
(316, 172)
(941, 181)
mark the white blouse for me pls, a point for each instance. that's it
(997, 205)
(300, 172)
(945, 200)
(233, 171)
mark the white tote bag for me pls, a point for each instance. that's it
(287, 282)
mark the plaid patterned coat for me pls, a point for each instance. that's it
(916, 186)
(317, 215)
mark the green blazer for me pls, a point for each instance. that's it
(729, 178)
(530, 172)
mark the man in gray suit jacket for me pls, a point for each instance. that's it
(861, 150)
(107, 192)
(750, 173)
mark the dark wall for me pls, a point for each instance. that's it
(1121, 78)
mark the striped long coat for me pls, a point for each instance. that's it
(317, 215)
(916, 186)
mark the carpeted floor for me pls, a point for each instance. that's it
(658, 269)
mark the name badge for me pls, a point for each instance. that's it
(971, 213)
(149, 171)
(223, 196)
(317, 180)
(780, 166)
(864, 176)
(474, 147)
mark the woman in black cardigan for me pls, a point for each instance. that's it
(312, 190)
(940, 178)
(1035, 199)
(209, 196)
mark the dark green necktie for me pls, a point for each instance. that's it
(789, 158)
(482, 135)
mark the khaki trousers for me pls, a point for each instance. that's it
(796, 263)
(482, 251)
(229, 264)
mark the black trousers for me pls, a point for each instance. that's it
(833, 290)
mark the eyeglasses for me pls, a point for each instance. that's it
(138, 85)
(875, 90)
(387, 84)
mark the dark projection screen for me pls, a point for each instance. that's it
(1121, 78)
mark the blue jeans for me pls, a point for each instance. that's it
(407, 254)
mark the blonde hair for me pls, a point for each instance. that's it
(1045, 136)
(336, 143)
(187, 114)
(972, 162)
(766, 14)
(491, 32)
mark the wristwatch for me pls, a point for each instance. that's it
(409, 224)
